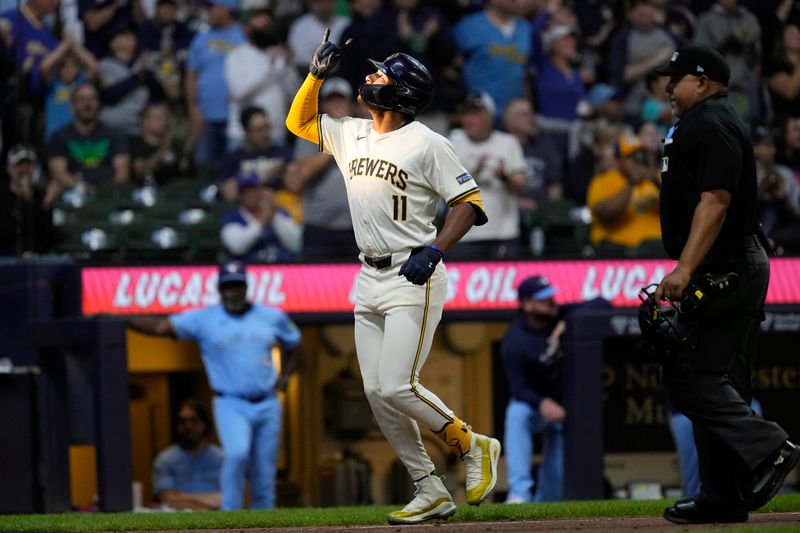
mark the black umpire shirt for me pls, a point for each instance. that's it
(708, 148)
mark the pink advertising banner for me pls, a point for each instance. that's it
(330, 288)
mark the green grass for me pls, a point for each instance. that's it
(344, 516)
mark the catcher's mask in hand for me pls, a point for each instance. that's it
(668, 326)
(665, 328)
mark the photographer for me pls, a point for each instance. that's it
(709, 225)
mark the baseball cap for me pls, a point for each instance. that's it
(536, 287)
(21, 152)
(482, 101)
(601, 93)
(232, 272)
(336, 86)
(628, 144)
(555, 33)
(697, 60)
(247, 179)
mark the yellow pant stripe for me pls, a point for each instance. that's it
(419, 351)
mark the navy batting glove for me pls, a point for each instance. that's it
(326, 58)
(420, 266)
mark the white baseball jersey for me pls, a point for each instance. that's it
(394, 181)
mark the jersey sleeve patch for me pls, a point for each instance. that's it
(463, 178)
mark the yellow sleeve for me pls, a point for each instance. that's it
(472, 197)
(303, 118)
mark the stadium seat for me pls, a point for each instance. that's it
(189, 191)
(113, 191)
(91, 241)
(566, 229)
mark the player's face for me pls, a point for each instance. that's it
(378, 78)
(234, 297)
(541, 309)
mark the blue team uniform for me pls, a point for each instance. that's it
(236, 352)
(534, 374)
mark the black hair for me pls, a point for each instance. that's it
(80, 86)
(150, 105)
(200, 410)
(248, 113)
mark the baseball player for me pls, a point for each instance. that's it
(236, 338)
(395, 170)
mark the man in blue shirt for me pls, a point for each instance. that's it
(496, 45)
(236, 338)
(186, 474)
(532, 358)
(206, 89)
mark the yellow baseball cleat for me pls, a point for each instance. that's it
(481, 466)
(431, 501)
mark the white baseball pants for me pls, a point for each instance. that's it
(394, 325)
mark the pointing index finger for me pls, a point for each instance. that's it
(327, 34)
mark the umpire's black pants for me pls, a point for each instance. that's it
(711, 382)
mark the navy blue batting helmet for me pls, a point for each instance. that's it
(411, 92)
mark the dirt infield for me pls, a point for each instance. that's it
(759, 521)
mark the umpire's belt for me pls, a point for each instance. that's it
(255, 398)
(386, 261)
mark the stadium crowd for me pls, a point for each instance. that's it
(139, 127)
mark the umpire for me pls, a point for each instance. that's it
(708, 223)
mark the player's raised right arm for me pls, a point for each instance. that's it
(303, 117)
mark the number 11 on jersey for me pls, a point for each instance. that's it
(400, 204)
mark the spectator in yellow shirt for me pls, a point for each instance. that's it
(624, 203)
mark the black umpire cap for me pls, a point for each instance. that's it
(699, 61)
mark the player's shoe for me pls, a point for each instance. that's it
(481, 465)
(431, 501)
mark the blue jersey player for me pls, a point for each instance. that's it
(236, 338)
